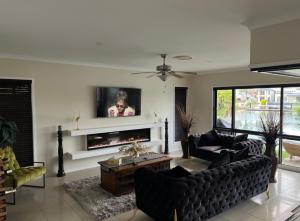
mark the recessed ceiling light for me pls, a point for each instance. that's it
(183, 57)
(99, 43)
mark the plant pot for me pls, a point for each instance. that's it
(185, 149)
(270, 152)
(273, 170)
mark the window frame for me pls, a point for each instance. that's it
(234, 88)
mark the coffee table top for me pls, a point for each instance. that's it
(127, 160)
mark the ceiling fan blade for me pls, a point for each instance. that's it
(174, 74)
(186, 72)
(152, 75)
(146, 72)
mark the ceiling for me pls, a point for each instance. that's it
(129, 34)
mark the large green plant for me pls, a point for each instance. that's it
(224, 103)
(8, 132)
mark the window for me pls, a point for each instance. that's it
(239, 109)
(291, 111)
(15, 105)
(252, 104)
(224, 108)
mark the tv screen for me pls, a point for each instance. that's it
(118, 102)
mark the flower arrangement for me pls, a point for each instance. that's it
(135, 149)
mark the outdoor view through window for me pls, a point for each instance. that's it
(250, 104)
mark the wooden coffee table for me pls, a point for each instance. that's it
(119, 179)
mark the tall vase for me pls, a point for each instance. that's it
(270, 152)
(185, 149)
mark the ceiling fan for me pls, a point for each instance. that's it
(164, 71)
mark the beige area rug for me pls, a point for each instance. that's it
(96, 201)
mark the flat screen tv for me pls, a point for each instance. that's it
(118, 102)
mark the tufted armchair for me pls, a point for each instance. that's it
(210, 151)
(18, 176)
(201, 195)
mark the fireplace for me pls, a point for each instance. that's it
(117, 138)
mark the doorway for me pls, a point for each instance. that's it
(180, 100)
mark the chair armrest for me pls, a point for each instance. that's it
(158, 195)
(34, 162)
(193, 142)
(40, 162)
(8, 172)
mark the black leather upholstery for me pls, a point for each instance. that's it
(226, 142)
(202, 195)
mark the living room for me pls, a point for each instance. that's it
(233, 60)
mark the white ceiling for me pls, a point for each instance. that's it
(134, 32)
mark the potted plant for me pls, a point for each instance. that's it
(186, 120)
(8, 133)
(270, 126)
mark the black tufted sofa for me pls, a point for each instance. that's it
(212, 150)
(202, 195)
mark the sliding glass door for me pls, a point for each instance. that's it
(291, 126)
(239, 109)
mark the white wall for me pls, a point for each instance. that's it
(276, 43)
(201, 92)
(60, 90)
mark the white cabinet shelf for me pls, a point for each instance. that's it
(98, 130)
(109, 150)
(100, 152)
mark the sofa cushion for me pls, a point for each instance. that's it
(23, 175)
(221, 160)
(239, 155)
(238, 146)
(210, 148)
(240, 138)
(210, 138)
(226, 140)
(176, 172)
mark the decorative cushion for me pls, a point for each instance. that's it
(240, 138)
(210, 148)
(176, 172)
(239, 155)
(223, 159)
(238, 146)
(210, 138)
(226, 140)
(8, 153)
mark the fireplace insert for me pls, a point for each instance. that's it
(117, 138)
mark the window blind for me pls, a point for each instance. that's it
(16, 105)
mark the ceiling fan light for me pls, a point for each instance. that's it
(163, 77)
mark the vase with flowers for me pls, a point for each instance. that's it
(186, 120)
(270, 128)
(134, 149)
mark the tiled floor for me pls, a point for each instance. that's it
(54, 204)
(295, 161)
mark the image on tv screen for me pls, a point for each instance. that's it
(118, 102)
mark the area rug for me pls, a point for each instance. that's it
(96, 201)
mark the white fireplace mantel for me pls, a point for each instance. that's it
(87, 131)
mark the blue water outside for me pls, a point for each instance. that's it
(250, 120)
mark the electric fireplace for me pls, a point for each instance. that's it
(117, 138)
